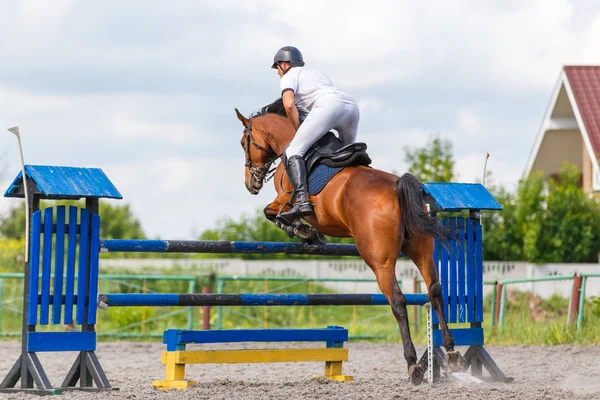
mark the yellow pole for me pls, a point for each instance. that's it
(266, 310)
(144, 290)
(310, 308)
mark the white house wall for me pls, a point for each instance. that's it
(556, 148)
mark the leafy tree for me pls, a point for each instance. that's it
(433, 162)
(116, 221)
(254, 228)
(570, 231)
(556, 222)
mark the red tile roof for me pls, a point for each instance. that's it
(585, 85)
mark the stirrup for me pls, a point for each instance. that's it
(298, 210)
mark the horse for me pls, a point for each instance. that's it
(384, 213)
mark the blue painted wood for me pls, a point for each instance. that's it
(461, 196)
(46, 266)
(436, 260)
(71, 258)
(444, 276)
(59, 263)
(453, 270)
(61, 341)
(462, 281)
(82, 268)
(478, 243)
(254, 299)
(462, 337)
(34, 267)
(174, 337)
(55, 182)
(470, 272)
(94, 255)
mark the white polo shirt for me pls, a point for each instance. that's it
(311, 86)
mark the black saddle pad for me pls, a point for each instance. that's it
(319, 177)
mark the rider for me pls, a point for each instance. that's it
(329, 107)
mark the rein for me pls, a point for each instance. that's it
(262, 173)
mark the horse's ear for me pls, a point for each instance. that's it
(243, 119)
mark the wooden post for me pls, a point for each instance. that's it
(575, 295)
(497, 305)
(206, 312)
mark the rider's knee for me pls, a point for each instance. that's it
(435, 290)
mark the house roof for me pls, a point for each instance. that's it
(574, 107)
(585, 86)
(56, 182)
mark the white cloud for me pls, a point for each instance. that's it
(146, 90)
(468, 122)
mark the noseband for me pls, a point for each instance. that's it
(259, 172)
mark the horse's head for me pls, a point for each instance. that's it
(259, 154)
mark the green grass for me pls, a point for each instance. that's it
(529, 320)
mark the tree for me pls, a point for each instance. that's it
(116, 222)
(554, 222)
(254, 228)
(570, 231)
(433, 162)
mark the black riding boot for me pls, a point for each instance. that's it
(296, 169)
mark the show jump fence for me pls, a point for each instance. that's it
(66, 242)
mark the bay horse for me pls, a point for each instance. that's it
(384, 214)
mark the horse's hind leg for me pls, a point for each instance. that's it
(420, 250)
(381, 257)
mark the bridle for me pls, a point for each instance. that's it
(262, 173)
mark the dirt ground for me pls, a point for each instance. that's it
(379, 370)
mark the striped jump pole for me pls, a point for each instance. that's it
(269, 299)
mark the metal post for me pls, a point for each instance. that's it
(581, 304)
(502, 306)
(219, 309)
(494, 306)
(416, 321)
(191, 289)
(205, 311)
(429, 344)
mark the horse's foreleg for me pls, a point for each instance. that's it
(423, 259)
(296, 228)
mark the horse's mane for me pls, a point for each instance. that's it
(277, 108)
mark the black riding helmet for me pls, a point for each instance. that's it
(288, 54)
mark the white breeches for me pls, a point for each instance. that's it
(343, 117)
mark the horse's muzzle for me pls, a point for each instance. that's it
(253, 185)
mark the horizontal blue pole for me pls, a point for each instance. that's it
(174, 338)
(224, 247)
(270, 299)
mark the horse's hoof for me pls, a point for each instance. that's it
(455, 361)
(303, 232)
(319, 239)
(416, 373)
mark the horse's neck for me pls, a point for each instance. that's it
(281, 133)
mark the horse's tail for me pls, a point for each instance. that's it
(414, 218)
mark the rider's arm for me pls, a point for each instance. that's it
(290, 108)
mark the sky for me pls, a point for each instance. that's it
(146, 91)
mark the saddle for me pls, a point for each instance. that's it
(329, 151)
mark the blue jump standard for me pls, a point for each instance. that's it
(174, 299)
